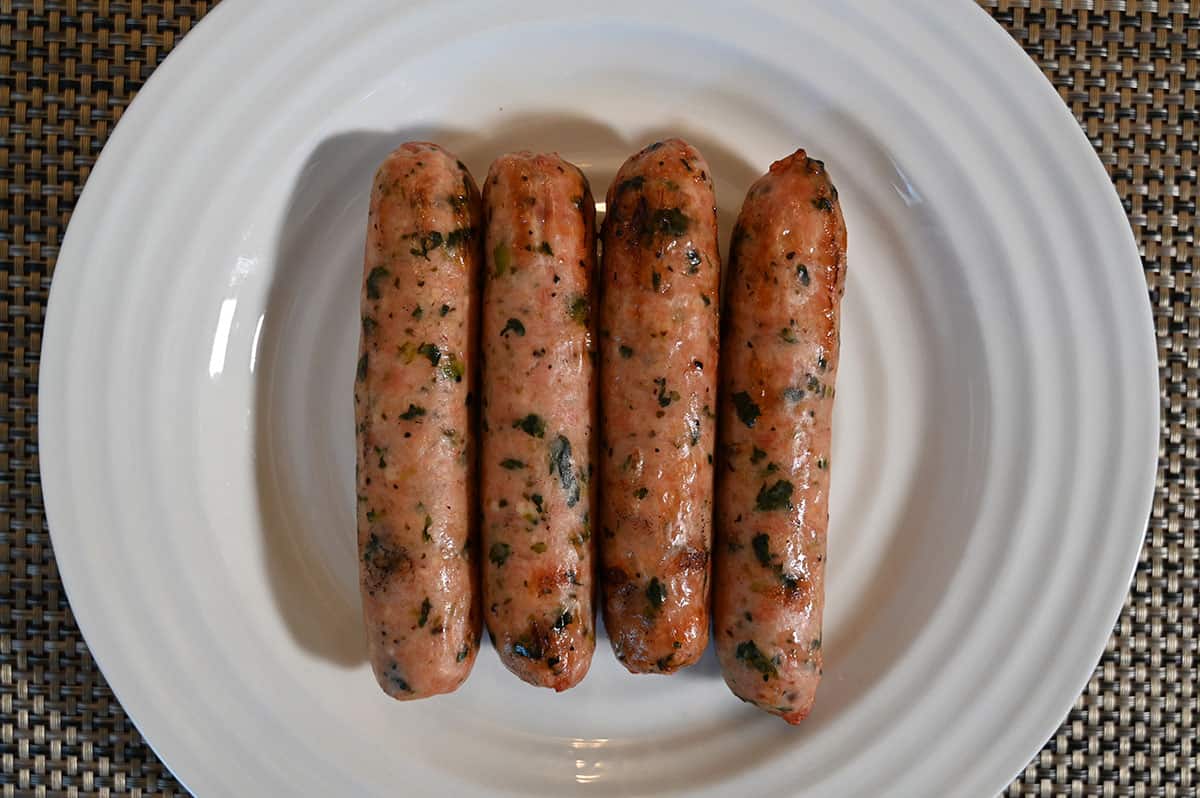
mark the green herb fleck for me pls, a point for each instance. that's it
(396, 680)
(452, 367)
(502, 259)
(539, 547)
(514, 326)
(362, 367)
(693, 259)
(747, 411)
(545, 249)
(426, 243)
(459, 236)
(444, 310)
(637, 181)
(706, 300)
(369, 324)
(377, 274)
(379, 558)
(418, 312)
(463, 653)
(757, 456)
(822, 463)
(527, 649)
(802, 273)
(430, 351)
(748, 653)
(511, 464)
(532, 424)
(499, 552)
(413, 412)
(580, 309)
(426, 606)
(665, 397)
(563, 466)
(822, 204)
(789, 336)
(656, 593)
(642, 492)
(563, 621)
(671, 221)
(762, 551)
(822, 363)
(793, 394)
(655, 279)
(537, 501)
(425, 536)
(626, 351)
(775, 497)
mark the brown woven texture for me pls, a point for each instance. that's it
(1129, 70)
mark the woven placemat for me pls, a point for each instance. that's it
(1129, 70)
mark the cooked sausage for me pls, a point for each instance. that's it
(658, 353)
(538, 406)
(412, 401)
(779, 358)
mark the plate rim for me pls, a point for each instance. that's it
(1149, 338)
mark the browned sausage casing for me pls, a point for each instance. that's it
(787, 268)
(658, 354)
(415, 465)
(538, 405)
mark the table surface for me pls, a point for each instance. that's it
(1129, 70)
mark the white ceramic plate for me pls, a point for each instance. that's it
(995, 432)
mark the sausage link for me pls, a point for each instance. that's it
(787, 269)
(658, 354)
(538, 408)
(412, 401)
